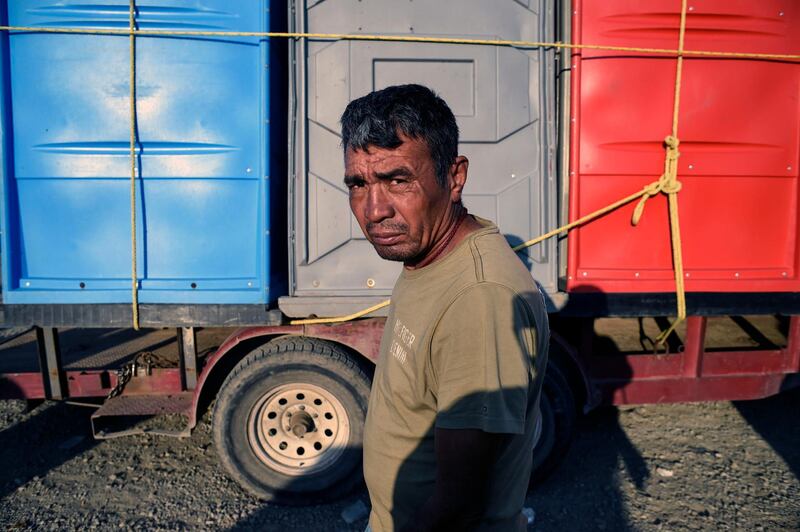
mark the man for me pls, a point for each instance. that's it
(453, 412)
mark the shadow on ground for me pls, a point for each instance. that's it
(50, 435)
(584, 492)
(776, 420)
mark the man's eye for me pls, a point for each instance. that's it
(397, 181)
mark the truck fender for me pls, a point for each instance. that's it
(233, 349)
(361, 336)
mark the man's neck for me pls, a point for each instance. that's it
(461, 227)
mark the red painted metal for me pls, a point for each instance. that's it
(740, 147)
(793, 345)
(160, 381)
(21, 386)
(89, 383)
(679, 390)
(694, 374)
(640, 367)
(694, 346)
(363, 335)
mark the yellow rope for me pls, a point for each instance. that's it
(667, 183)
(134, 276)
(341, 319)
(671, 187)
(407, 38)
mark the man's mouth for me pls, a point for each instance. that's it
(385, 239)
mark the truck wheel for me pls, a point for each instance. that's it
(289, 421)
(558, 423)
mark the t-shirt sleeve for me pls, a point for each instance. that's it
(481, 355)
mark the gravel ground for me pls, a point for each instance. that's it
(661, 467)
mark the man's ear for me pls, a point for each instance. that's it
(458, 177)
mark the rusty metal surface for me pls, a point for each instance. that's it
(19, 354)
(85, 348)
(145, 405)
(89, 383)
(160, 381)
(363, 335)
(90, 357)
(132, 407)
(113, 347)
(103, 348)
(679, 389)
(187, 352)
(50, 363)
(22, 386)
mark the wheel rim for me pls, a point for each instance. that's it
(298, 428)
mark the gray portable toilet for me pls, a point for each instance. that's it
(503, 99)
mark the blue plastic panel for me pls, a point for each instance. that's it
(202, 108)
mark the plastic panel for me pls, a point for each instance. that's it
(497, 94)
(740, 136)
(202, 116)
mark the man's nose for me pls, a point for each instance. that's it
(379, 206)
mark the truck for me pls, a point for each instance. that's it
(176, 237)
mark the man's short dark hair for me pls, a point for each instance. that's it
(413, 110)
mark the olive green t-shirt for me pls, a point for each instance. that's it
(465, 347)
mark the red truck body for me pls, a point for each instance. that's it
(739, 130)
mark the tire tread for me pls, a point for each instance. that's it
(290, 350)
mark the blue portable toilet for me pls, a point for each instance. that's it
(210, 154)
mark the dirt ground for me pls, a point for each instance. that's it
(661, 467)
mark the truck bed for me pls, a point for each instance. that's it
(102, 348)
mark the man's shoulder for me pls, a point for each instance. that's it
(496, 262)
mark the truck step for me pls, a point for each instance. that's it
(138, 406)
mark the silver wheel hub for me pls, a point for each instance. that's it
(298, 428)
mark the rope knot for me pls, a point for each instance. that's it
(668, 182)
(672, 142)
(671, 146)
(670, 186)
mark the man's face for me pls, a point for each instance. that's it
(396, 199)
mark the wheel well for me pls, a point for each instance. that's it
(223, 367)
(365, 363)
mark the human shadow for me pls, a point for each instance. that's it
(768, 417)
(772, 419)
(50, 435)
(586, 491)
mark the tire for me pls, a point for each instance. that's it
(289, 421)
(557, 406)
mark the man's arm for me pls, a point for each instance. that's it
(464, 458)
